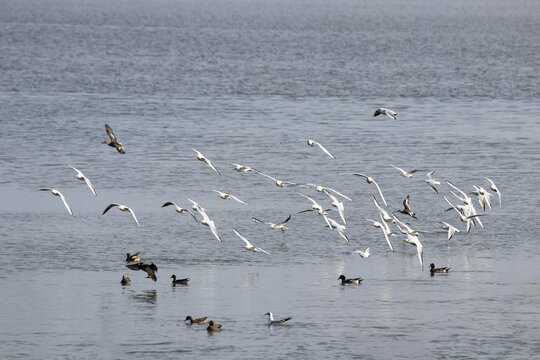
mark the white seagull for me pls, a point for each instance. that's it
(179, 209)
(202, 158)
(58, 193)
(370, 180)
(323, 189)
(431, 181)
(364, 253)
(406, 174)
(122, 208)
(337, 226)
(494, 188)
(387, 112)
(248, 245)
(313, 142)
(339, 205)
(226, 196)
(464, 218)
(383, 212)
(206, 219)
(242, 168)
(80, 176)
(451, 229)
(385, 229)
(469, 209)
(317, 208)
(276, 181)
(271, 320)
(413, 240)
(275, 226)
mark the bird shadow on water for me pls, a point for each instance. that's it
(146, 296)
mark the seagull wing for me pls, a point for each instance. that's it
(338, 193)
(108, 208)
(65, 202)
(268, 176)
(212, 166)
(380, 193)
(214, 230)
(168, 203)
(325, 150)
(248, 244)
(397, 168)
(284, 221)
(237, 199)
(262, 250)
(260, 221)
(134, 217)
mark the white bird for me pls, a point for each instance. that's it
(271, 320)
(179, 209)
(317, 208)
(431, 181)
(195, 206)
(277, 182)
(202, 158)
(370, 180)
(339, 205)
(383, 212)
(58, 193)
(122, 208)
(406, 174)
(313, 142)
(385, 229)
(387, 112)
(451, 229)
(483, 197)
(80, 176)
(206, 219)
(364, 254)
(413, 240)
(334, 225)
(275, 226)
(494, 188)
(323, 189)
(408, 230)
(248, 245)
(226, 196)
(242, 168)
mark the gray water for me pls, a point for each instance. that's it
(238, 80)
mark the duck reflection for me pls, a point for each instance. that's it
(146, 296)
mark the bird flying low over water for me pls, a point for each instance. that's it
(113, 142)
(387, 112)
(179, 209)
(58, 193)
(406, 174)
(271, 320)
(133, 257)
(384, 213)
(276, 181)
(275, 226)
(431, 181)
(334, 225)
(370, 180)
(122, 208)
(150, 269)
(451, 229)
(206, 219)
(385, 229)
(202, 158)
(248, 245)
(226, 196)
(324, 189)
(407, 208)
(80, 176)
(313, 142)
(494, 188)
(242, 168)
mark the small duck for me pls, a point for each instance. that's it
(133, 257)
(407, 208)
(196, 321)
(434, 270)
(179, 281)
(125, 280)
(271, 320)
(113, 142)
(150, 269)
(213, 327)
(353, 281)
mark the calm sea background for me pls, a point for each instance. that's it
(238, 80)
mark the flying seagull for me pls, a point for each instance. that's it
(387, 112)
(202, 158)
(122, 208)
(58, 193)
(80, 176)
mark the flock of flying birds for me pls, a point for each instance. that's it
(464, 208)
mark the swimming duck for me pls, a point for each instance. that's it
(213, 327)
(113, 142)
(434, 270)
(196, 321)
(354, 281)
(271, 320)
(179, 281)
(135, 257)
(125, 280)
